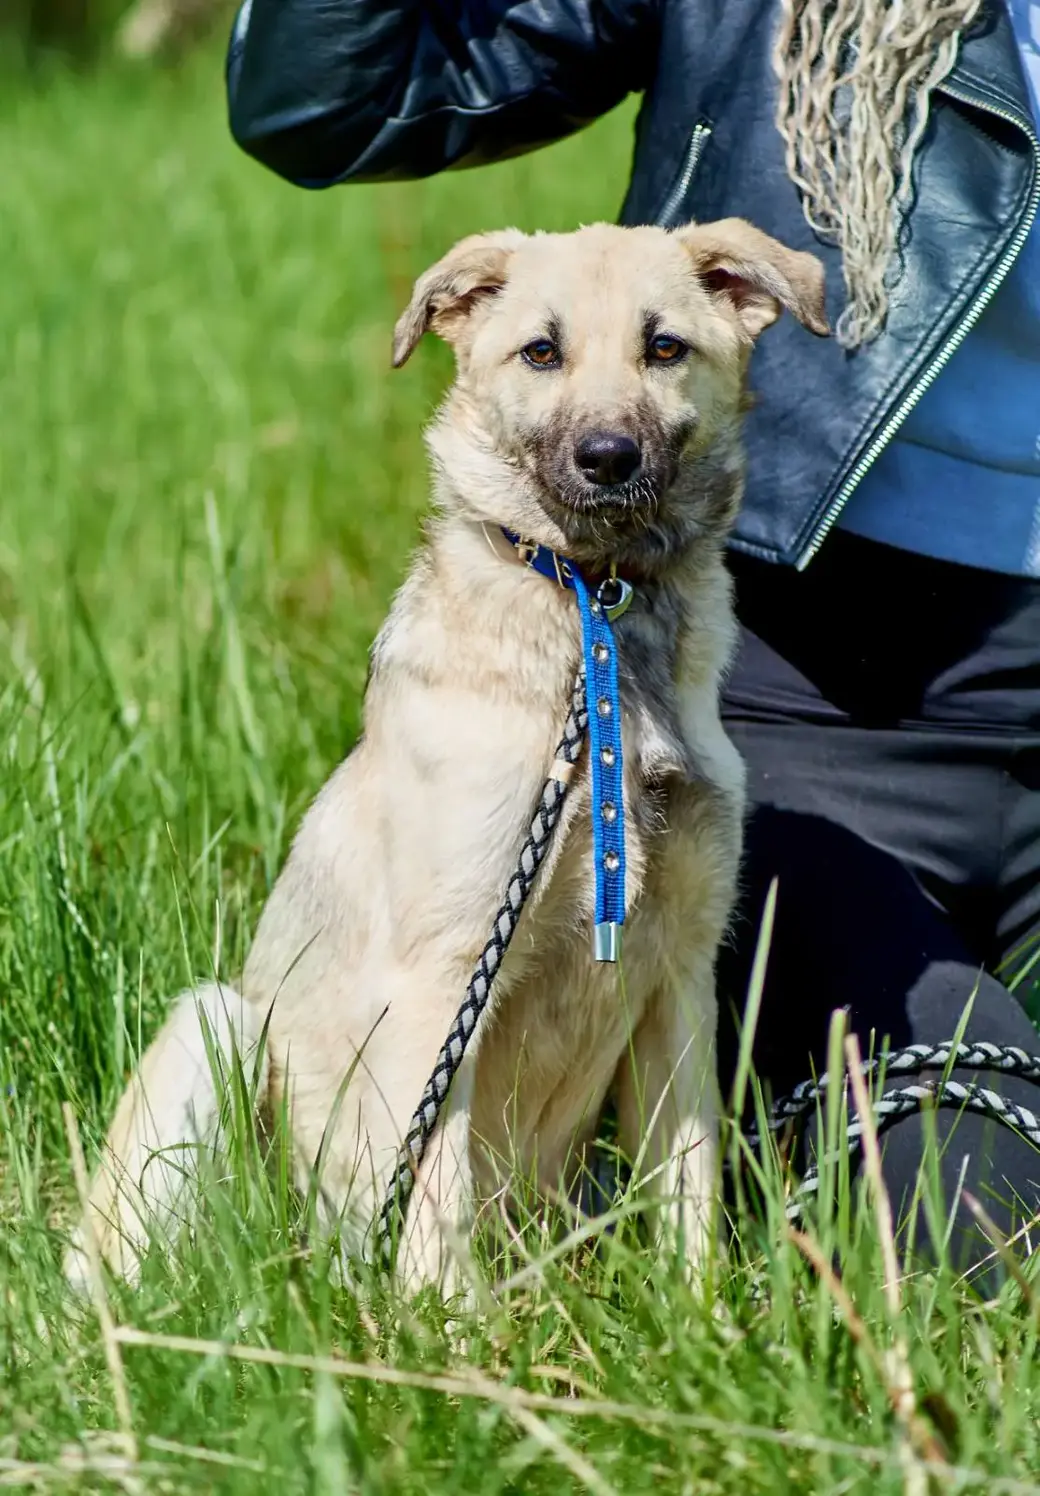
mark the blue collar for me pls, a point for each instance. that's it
(613, 594)
(599, 608)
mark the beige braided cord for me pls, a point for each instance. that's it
(856, 81)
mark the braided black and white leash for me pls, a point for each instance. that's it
(904, 1100)
(597, 672)
(532, 854)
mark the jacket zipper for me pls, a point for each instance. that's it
(694, 150)
(952, 343)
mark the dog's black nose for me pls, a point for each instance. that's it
(607, 457)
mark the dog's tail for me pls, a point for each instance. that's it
(171, 1109)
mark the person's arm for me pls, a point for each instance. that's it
(325, 91)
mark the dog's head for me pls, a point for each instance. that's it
(601, 376)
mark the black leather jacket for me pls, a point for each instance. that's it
(326, 91)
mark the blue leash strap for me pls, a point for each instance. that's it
(608, 794)
(598, 611)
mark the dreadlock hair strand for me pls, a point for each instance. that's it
(856, 82)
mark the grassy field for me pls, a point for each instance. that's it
(209, 486)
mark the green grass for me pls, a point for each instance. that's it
(209, 486)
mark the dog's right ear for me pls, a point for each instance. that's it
(446, 294)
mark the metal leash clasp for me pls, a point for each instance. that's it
(614, 595)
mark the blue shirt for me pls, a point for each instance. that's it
(961, 479)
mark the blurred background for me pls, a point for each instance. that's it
(210, 483)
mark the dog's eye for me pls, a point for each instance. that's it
(542, 353)
(665, 349)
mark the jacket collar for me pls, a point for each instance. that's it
(990, 65)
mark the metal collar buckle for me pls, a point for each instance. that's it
(564, 574)
(528, 551)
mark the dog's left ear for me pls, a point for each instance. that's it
(446, 294)
(758, 274)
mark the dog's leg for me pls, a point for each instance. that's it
(171, 1107)
(668, 1110)
(435, 1243)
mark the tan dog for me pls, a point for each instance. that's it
(597, 409)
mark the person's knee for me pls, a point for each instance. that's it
(853, 930)
(937, 1165)
(946, 989)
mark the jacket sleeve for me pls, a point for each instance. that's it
(325, 91)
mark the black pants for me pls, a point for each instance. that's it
(888, 708)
